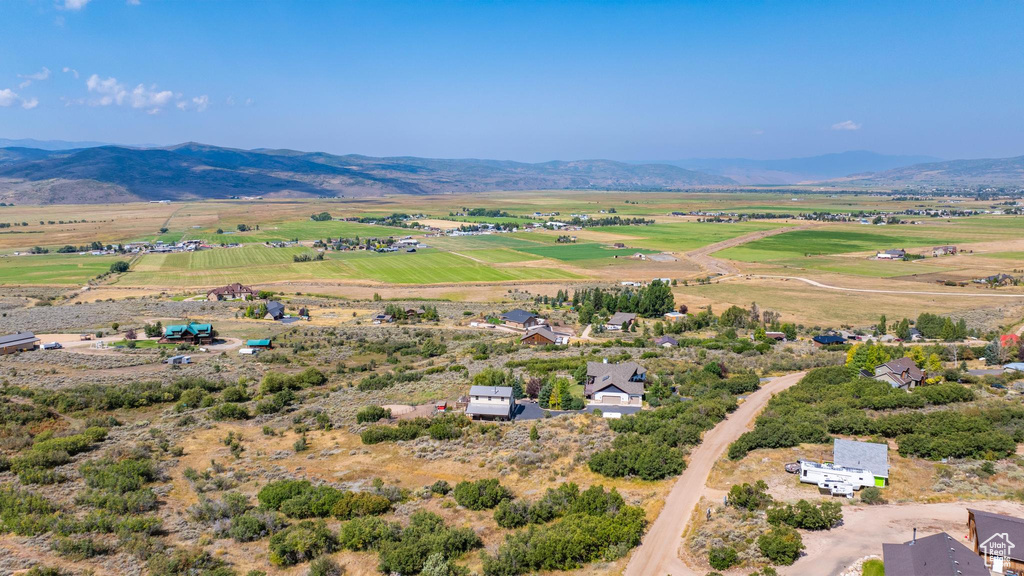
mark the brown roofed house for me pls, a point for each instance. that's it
(900, 373)
(232, 292)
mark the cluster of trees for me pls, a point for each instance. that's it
(833, 400)
(608, 221)
(383, 380)
(321, 217)
(300, 499)
(372, 414)
(306, 257)
(648, 444)
(557, 502)
(443, 427)
(95, 245)
(866, 356)
(782, 543)
(482, 212)
(592, 525)
(426, 546)
(651, 301)
(555, 393)
(481, 494)
(429, 312)
(931, 326)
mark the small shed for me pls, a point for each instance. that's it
(869, 456)
(265, 343)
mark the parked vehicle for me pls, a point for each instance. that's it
(52, 346)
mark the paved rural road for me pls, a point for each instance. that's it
(817, 284)
(702, 256)
(658, 554)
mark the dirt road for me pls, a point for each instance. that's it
(702, 256)
(817, 284)
(658, 554)
(865, 528)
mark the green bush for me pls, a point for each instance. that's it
(372, 414)
(367, 533)
(274, 382)
(301, 542)
(781, 545)
(723, 557)
(324, 566)
(425, 536)
(750, 496)
(872, 495)
(300, 499)
(25, 513)
(481, 494)
(230, 411)
(187, 562)
(807, 516)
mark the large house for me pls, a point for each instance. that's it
(943, 250)
(620, 321)
(900, 373)
(891, 255)
(542, 335)
(491, 403)
(191, 333)
(869, 456)
(18, 343)
(275, 311)
(521, 319)
(232, 292)
(621, 384)
(999, 537)
(936, 555)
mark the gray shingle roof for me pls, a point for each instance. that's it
(936, 555)
(481, 409)
(275, 309)
(618, 375)
(518, 316)
(864, 455)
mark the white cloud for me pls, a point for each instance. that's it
(28, 78)
(846, 125)
(249, 101)
(230, 101)
(71, 71)
(75, 4)
(110, 91)
(30, 103)
(7, 98)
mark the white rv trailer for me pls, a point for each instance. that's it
(830, 477)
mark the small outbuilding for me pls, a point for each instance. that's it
(265, 344)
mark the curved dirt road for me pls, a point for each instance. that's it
(702, 256)
(658, 554)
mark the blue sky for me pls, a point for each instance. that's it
(528, 81)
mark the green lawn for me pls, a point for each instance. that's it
(684, 236)
(800, 243)
(297, 229)
(874, 567)
(427, 267)
(53, 269)
(576, 252)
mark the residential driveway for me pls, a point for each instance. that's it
(533, 411)
(986, 372)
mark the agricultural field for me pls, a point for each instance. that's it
(53, 269)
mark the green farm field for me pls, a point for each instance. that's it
(53, 269)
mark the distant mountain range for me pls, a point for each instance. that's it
(106, 173)
(799, 170)
(197, 171)
(985, 171)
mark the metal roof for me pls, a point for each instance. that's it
(620, 318)
(989, 525)
(19, 338)
(865, 455)
(492, 391)
(481, 409)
